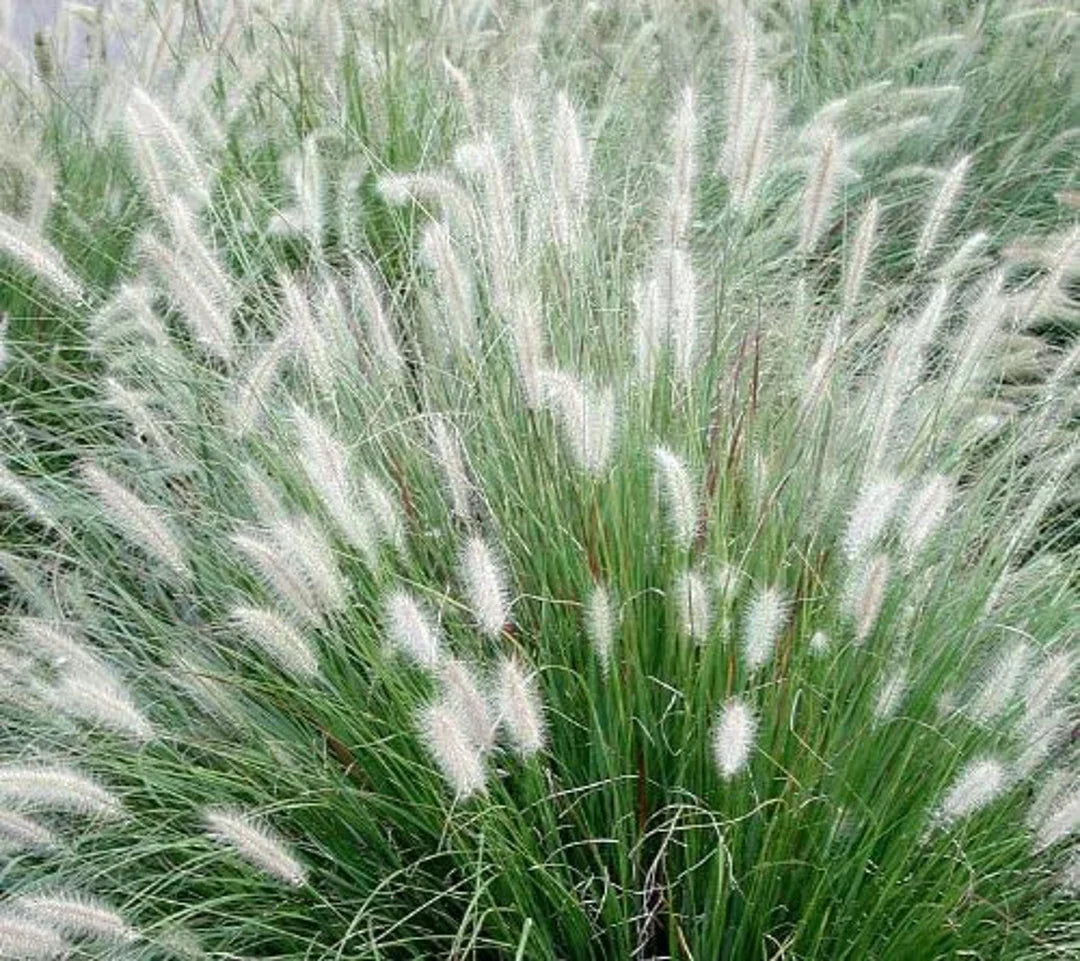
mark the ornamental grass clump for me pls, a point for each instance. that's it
(480, 484)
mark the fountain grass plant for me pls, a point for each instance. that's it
(486, 482)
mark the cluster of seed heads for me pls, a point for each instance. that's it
(489, 224)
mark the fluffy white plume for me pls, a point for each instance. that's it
(140, 523)
(447, 450)
(820, 189)
(679, 207)
(146, 425)
(1000, 684)
(35, 255)
(762, 626)
(56, 643)
(461, 689)
(899, 373)
(384, 511)
(819, 643)
(569, 172)
(458, 757)
(1039, 736)
(977, 784)
(309, 335)
(27, 940)
(15, 490)
(861, 250)
(1062, 821)
(872, 511)
(19, 832)
(75, 916)
(665, 307)
(600, 624)
(255, 843)
(455, 286)
(1046, 685)
(295, 560)
(252, 390)
(733, 737)
(431, 190)
(207, 318)
(369, 300)
(411, 631)
(587, 416)
(56, 787)
(891, 693)
(750, 118)
(521, 712)
(485, 585)
(942, 207)
(326, 464)
(482, 158)
(679, 495)
(926, 512)
(867, 594)
(694, 605)
(277, 638)
(97, 694)
(160, 137)
(303, 171)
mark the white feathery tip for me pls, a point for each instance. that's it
(762, 626)
(694, 604)
(254, 843)
(486, 587)
(871, 513)
(521, 712)
(411, 631)
(733, 737)
(278, 638)
(977, 784)
(680, 498)
(56, 787)
(459, 759)
(75, 916)
(600, 624)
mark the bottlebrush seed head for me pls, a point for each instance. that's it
(1000, 684)
(894, 687)
(977, 784)
(254, 843)
(27, 939)
(411, 631)
(56, 787)
(693, 603)
(485, 586)
(75, 916)
(447, 451)
(679, 496)
(447, 740)
(18, 832)
(819, 643)
(521, 712)
(868, 595)
(600, 624)
(733, 737)
(462, 692)
(277, 638)
(925, 512)
(143, 525)
(764, 621)
(871, 513)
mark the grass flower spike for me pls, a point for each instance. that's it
(255, 844)
(733, 737)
